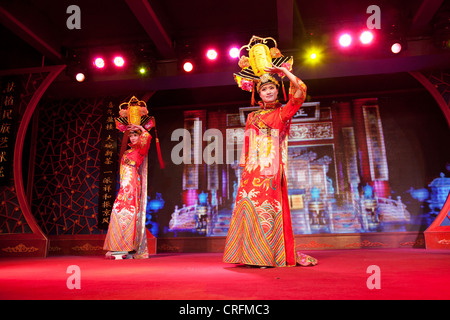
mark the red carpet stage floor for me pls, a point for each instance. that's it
(341, 274)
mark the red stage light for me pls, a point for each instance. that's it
(211, 54)
(396, 48)
(99, 63)
(345, 40)
(188, 66)
(80, 77)
(366, 37)
(119, 61)
(234, 52)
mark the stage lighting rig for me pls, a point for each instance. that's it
(119, 61)
(77, 65)
(99, 62)
(396, 47)
(345, 40)
(212, 54)
(313, 55)
(366, 37)
(188, 66)
(80, 77)
(234, 52)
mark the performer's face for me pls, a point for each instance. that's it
(269, 93)
(134, 138)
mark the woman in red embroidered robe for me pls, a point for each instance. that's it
(126, 231)
(260, 231)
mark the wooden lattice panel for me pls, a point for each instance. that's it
(65, 192)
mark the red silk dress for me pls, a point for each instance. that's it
(126, 231)
(260, 230)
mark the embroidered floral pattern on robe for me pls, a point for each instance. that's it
(260, 230)
(126, 231)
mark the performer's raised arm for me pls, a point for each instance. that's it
(144, 138)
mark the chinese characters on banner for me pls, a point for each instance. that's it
(108, 166)
(8, 100)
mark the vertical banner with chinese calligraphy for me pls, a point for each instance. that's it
(8, 104)
(108, 165)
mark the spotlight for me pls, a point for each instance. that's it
(188, 66)
(80, 77)
(99, 63)
(234, 52)
(313, 55)
(396, 48)
(142, 70)
(397, 45)
(345, 40)
(211, 54)
(119, 61)
(366, 37)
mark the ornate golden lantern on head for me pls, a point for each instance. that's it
(134, 112)
(259, 54)
(260, 57)
(134, 109)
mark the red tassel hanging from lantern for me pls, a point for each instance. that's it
(158, 149)
(253, 94)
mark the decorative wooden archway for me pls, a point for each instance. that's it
(34, 243)
(437, 236)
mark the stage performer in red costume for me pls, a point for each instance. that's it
(126, 237)
(260, 232)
